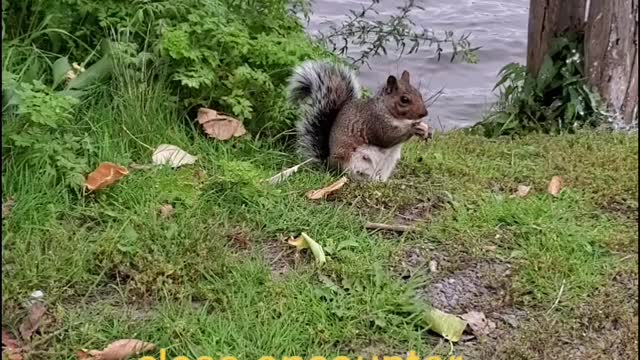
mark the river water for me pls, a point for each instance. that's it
(499, 27)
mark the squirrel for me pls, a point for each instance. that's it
(338, 128)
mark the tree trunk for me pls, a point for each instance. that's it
(547, 20)
(611, 55)
(611, 45)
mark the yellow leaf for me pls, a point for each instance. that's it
(306, 242)
(447, 325)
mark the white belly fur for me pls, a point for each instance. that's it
(370, 162)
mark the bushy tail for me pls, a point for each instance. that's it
(322, 89)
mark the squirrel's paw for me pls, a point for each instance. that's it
(421, 129)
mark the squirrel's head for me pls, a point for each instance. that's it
(402, 99)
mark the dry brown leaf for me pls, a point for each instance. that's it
(555, 185)
(167, 211)
(240, 239)
(220, 126)
(490, 247)
(478, 323)
(433, 266)
(200, 175)
(117, 350)
(11, 347)
(33, 321)
(7, 206)
(172, 155)
(522, 191)
(106, 174)
(326, 191)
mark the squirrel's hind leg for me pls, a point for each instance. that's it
(389, 161)
(365, 163)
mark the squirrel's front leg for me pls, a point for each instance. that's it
(421, 129)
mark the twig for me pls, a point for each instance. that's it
(397, 228)
(558, 298)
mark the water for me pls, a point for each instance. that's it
(500, 27)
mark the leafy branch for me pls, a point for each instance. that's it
(375, 36)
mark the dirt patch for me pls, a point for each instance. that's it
(604, 327)
(465, 285)
(239, 239)
(422, 211)
(481, 287)
(623, 209)
(282, 257)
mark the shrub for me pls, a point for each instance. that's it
(556, 100)
(231, 55)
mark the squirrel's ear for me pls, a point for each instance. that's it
(405, 76)
(392, 84)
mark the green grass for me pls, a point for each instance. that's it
(111, 267)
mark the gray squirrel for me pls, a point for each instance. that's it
(341, 130)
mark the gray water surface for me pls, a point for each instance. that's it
(499, 27)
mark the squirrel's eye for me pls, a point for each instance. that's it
(404, 99)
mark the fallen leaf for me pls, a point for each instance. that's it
(305, 242)
(220, 126)
(433, 266)
(555, 185)
(449, 326)
(11, 347)
(279, 177)
(7, 206)
(326, 191)
(33, 321)
(172, 155)
(240, 239)
(478, 323)
(490, 247)
(522, 191)
(200, 175)
(167, 211)
(106, 174)
(117, 350)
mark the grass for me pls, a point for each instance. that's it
(218, 278)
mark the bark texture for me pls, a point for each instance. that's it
(611, 54)
(547, 20)
(610, 30)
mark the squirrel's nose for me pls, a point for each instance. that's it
(425, 112)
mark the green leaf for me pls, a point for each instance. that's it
(305, 242)
(447, 325)
(547, 71)
(59, 69)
